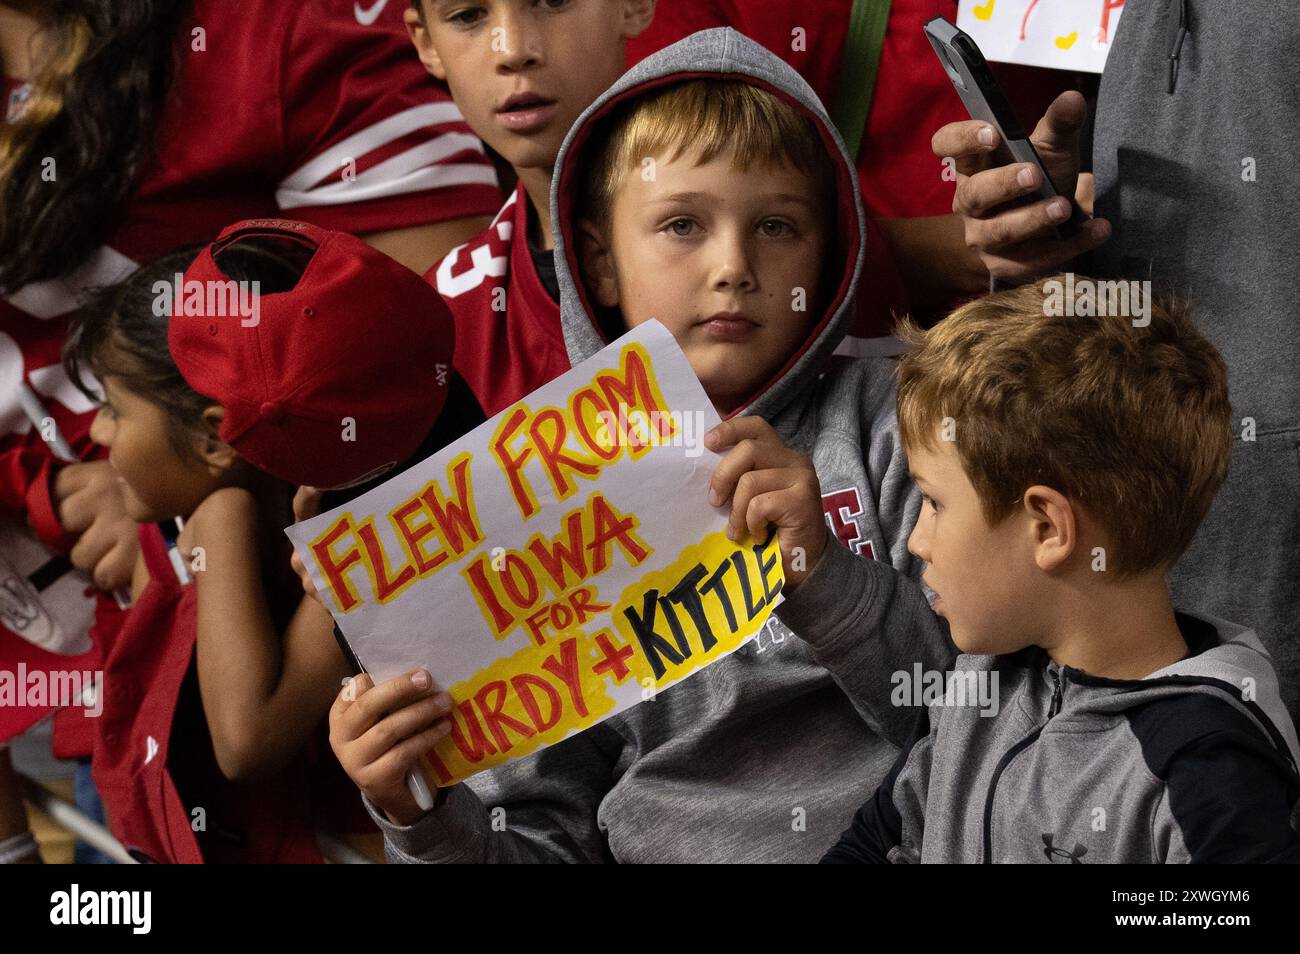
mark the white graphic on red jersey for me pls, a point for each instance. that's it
(103, 267)
(368, 17)
(49, 382)
(842, 508)
(421, 167)
(491, 259)
(43, 599)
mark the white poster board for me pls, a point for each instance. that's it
(1071, 35)
(555, 566)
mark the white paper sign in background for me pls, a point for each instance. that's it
(1071, 35)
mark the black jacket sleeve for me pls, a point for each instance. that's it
(878, 825)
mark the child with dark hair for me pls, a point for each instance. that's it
(129, 128)
(280, 355)
(521, 72)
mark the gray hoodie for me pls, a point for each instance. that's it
(1200, 186)
(764, 755)
(1194, 763)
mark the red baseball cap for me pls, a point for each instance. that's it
(325, 383)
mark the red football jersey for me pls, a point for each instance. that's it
(153, 760)
(509, 340)
(316, 110)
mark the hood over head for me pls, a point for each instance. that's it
(722, 54)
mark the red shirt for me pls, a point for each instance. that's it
(506, 354)
(901, 177)
(509, 340)
(277, 109)
(155, 792)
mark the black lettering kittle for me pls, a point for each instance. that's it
(685, 601)
(675, 625)
(652, 644)
(766, 566)
(686, 595)
(716, 587)
(752, 609)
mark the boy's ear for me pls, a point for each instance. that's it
(423, 43)
(216, 454)
(1052, 524)
(597, 264)
(637, 15)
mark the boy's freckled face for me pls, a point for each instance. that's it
(725, 259)
(157, 482)
(983, 574)
(521, 72)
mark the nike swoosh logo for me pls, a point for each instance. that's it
(368, 17)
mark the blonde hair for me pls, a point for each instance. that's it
(1132, 423)
(45, 102)
(706, 118)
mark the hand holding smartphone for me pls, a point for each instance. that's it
(984, 100)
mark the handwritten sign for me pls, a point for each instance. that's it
(555, 566)
(1061, 34)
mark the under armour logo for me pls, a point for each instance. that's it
(1051, 853)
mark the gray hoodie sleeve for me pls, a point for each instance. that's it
(867, 619)
(538, 809)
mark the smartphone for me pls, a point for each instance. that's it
(984, 100)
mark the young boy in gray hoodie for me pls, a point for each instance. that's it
(708, 190)
(1066, 462)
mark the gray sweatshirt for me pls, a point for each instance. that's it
(1194, 763)
(766, 754)
(1200, 185)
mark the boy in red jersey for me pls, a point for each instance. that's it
(521, 73)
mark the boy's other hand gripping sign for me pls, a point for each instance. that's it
(380, 732)
(769, 485)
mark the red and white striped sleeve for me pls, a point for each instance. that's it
(371, 141)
